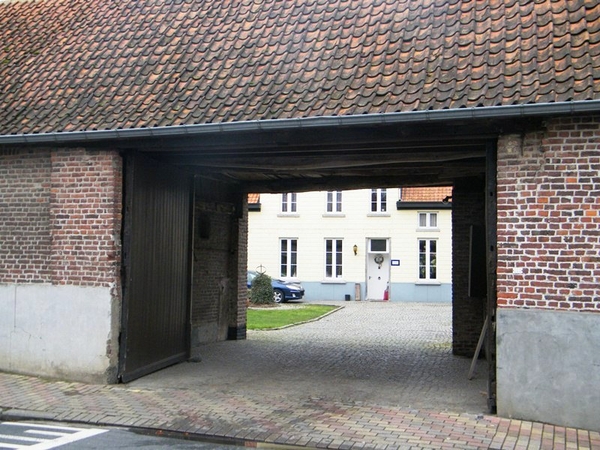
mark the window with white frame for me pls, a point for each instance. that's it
(427, 259)
(333, 258)
(289, 257)
(428, 220)
(378, 200)
(288, 202)
(334, 201)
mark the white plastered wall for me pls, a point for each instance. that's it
(311, 225)
(55, 331)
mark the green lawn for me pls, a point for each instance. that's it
(267, 318)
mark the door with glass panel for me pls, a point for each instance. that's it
(378, 269)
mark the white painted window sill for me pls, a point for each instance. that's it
(428, 283)
(379, 215)
(334, 215)
(425, 229)
(288, 215)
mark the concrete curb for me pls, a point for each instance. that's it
(305, 321)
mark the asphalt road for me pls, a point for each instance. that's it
(46, 436)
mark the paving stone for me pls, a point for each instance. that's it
(370, 376)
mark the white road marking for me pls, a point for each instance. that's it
(64, 435)
(20, 438)
(3, 445)
(46, 433)
(40, 426)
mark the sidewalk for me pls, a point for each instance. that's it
(303, 387)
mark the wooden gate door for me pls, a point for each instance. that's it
(156, 271)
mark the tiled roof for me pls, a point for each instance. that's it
(253, 198)
(425, 194)
(68, 65)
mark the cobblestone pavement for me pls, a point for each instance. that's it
(371, 375)
(384, 353)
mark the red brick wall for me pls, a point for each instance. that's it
(468, 313)
(86, 217)
(219, 265)
(242, 295)
(25, 238)
(549, 217)
(211, 265)
(62, 219)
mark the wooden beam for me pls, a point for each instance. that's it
(303, 163)
(491, 243)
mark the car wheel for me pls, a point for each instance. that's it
(278, 296)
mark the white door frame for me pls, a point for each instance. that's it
(378, 268)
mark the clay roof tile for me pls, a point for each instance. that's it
(88, 65)
(425, 194)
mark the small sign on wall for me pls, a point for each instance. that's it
(395, 262)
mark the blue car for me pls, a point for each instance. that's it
(283, 291)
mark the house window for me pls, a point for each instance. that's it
(288, 202)
(428, 220)
(378, 245)
(289, 257)
(427, 259)
(333, 258)
(334, 201)
(378, 200)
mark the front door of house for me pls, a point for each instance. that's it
(378, 269)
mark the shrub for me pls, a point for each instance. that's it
(262, 290)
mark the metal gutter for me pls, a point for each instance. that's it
(402, 205)
(254, 206)
(484, 112)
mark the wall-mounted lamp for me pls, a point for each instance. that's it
(355, 248)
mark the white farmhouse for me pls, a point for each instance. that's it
(366, 244)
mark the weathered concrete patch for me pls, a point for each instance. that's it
(55, 331)
(549, 366)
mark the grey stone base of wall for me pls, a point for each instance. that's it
(209, 333)
(400, 292)
(57, 331)
(236, 333)
(548, 366)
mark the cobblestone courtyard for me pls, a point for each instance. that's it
(396, 354)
